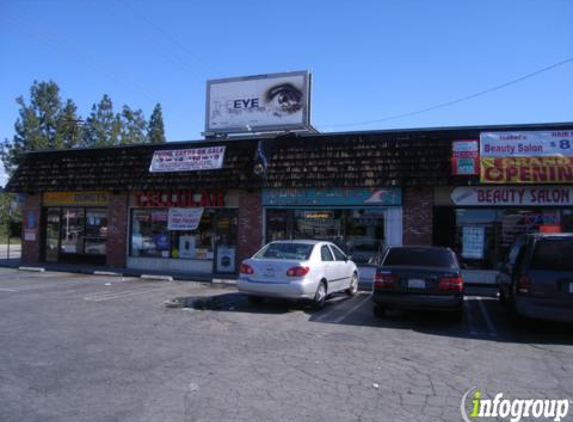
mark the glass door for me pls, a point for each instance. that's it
(52, 238)
(72, 231)
(226, 241)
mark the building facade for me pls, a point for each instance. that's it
(363, 191)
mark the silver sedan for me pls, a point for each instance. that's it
(298, 269)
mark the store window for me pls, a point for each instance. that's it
(484, 237)
(151, 237)
(359, 232)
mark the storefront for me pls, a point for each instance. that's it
(362, 221)
(481, 222)
(183, 230)
(74, 227)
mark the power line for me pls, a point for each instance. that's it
(459, 100)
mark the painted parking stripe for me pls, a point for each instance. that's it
(351, 310)
(335, 309)
(488, 321)
(119, 295)
(469, 317)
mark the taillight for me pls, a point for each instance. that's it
(246, 269)
(297, 271)
(384, 280)
(451, 283)
(524, 284)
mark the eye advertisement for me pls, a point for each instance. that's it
(256, 103)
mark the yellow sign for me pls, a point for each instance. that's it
(76, 198)
(526, 169)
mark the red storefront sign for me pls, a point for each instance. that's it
(179, 198)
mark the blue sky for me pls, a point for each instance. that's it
(370, 60)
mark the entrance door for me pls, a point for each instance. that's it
(52, 238)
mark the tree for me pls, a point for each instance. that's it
(68, 128)
(36, 125)
(156, 130)
(133, 126)
(102, 127)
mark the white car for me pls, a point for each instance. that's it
(298, 269)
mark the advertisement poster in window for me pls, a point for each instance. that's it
(184, 218)
(225, 259)
(473, 241)
(465, 157)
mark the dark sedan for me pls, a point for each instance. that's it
(419, 278)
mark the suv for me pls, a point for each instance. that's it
(536, 280)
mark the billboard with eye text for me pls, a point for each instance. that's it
(278, 101)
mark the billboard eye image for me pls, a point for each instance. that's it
(284, 99)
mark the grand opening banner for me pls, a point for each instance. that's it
(526, 157)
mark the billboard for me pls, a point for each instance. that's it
(276, 101)
(526, 157)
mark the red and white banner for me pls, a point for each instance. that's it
(173, 160)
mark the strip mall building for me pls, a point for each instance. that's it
(216, 202)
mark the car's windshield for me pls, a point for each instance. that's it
(424, 257)
(553, 255)
(298, 251)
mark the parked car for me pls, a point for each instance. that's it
(298, 269)
(419, 278)
(536, 280)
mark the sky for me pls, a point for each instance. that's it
(375, 65)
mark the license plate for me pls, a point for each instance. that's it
(570, 287)
(269, 272)
(415, 283)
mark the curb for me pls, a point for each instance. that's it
(150, 277)
(108, 273)
(226, 281)
(32, 269)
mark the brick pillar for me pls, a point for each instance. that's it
(117, 220)
(31, 213)
(418, 216)
(250, 230)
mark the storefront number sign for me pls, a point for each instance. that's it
(174, 160)
(473, 241)
(526, 157)
(465, 157)
(184, 218)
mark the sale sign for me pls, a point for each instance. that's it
(184, 218)
(526, 157)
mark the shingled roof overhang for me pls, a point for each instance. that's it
(413, 157)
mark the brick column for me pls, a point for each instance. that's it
(418, 207)
(117, 220)
(250, 230)
(31, 223)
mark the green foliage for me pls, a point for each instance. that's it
(102, 127)
(10, 215)
(133, 126)
(42, 124)
(46, 122)
(156, 130)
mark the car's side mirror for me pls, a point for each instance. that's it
(348, 258)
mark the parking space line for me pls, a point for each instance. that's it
(473, 332)
(120, 295)
(488, 321)
(9, 290)
(351, 310)
(335, 309)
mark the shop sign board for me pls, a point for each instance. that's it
(193, 159)
(179, 198)
(526, 157)
(332, 197)
(465, 157)
(275, 101)
(184, 218)
(500, 196)
(95, 198)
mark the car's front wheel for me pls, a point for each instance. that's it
(353, 288)
(320, 296)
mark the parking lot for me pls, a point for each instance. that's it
(101, 348)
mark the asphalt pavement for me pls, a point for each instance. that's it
(99, 348)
